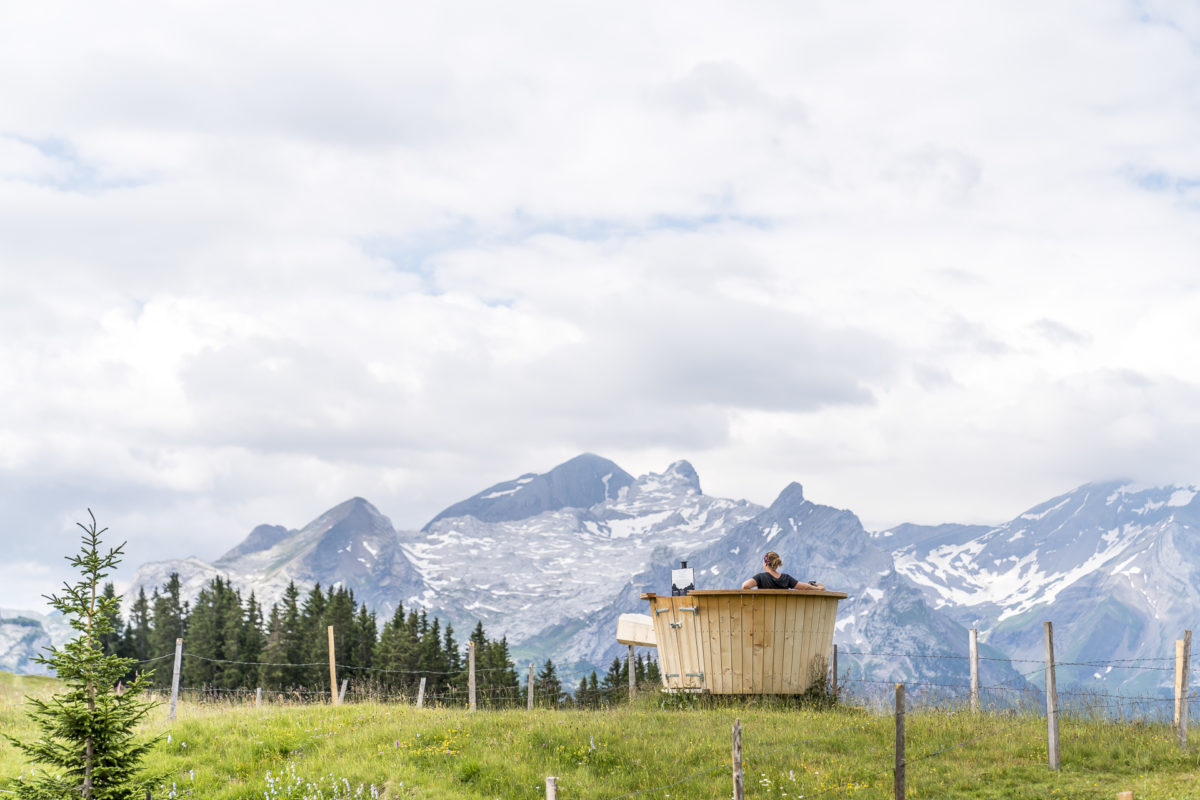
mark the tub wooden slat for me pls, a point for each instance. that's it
(744, 641)
(790, 642)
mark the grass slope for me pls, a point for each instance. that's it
(657, 748)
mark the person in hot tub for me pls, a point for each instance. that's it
(774, 579)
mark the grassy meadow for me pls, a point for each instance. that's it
(660, 747)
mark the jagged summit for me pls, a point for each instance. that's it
(791, 496)
(263, 537)
(351, 544)
(685, 474)
(579, 483)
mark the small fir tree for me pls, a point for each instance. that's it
(88, 740)
(547, 688)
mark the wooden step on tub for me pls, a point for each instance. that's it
(739, 641)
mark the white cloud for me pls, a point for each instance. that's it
(257, 261)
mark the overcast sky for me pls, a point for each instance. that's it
(936, 261)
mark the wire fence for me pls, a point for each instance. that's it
(1012, 704)
(1080, 697)
(1019, 692)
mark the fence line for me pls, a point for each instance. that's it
(1115, 663)
(1097, 700)
(515, 690)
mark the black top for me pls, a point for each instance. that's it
(766, 580)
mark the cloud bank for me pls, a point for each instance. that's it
(936, 263)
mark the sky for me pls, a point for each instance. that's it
(938, 262)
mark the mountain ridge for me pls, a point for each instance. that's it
(554, 581)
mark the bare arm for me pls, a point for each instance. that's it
(750, 584)
(816, 586)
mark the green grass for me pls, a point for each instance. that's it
(227, 751)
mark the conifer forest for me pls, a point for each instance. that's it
(230, 644)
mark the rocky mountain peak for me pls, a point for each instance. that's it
(684, 475)
(263, 537)
(791, 497)
(581, 482)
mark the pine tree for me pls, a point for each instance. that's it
(214, 633)
(284, 644)
(87, 729)
(587, 695)
(339, 614)
(271, 673)
(652, 674)
(547, 688)
(137, 633)
(616, 681)
(389, 654)
(169, 613)
(315, 641)
(111, 642)
(453, 657)
(362, 645)
(252, 640)
(500, 678)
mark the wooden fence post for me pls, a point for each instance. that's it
(471, 673)
(739, 780)
(632, 676)
(1183, 668)
(421, 694)
(529, 689)
(175, 678)
(342, 693)
(900, 762)
(1051, 699)
(1124, 795)
(258, 697)
(1178, 678)
(333, 695)
(974, 652)
(835, 689)
(551, 787)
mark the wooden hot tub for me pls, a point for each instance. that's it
(739, 641)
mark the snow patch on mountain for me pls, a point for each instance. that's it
(566, 562)
(1181, 497)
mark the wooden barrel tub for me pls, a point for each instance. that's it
(738, 641)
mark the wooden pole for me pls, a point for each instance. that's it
(175, 678)
(471, 673)
(739, 780)
(900, 762)
(1183, 688)
(342, 693)
(421, 694)
(1051, 699)
(333, 696)
(1178, 678)
(258, 697)
(1124, 795)
(529, 689)
(835, 689)
(632, 675)
(974, 651)
(551, 787)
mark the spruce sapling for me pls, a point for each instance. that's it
(88, 746)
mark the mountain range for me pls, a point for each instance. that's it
(551, 560)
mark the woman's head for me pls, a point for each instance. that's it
(772, 560)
